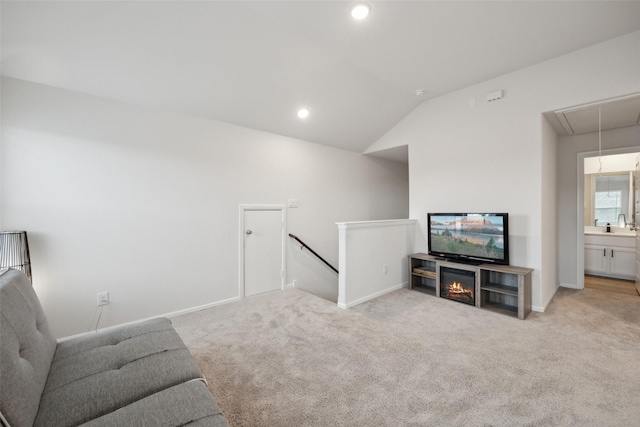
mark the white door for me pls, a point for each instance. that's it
(263, 231)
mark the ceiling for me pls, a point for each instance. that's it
(254, 64)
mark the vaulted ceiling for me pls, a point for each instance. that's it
(255, 64)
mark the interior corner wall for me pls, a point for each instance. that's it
(144, 204)
(488, 156)
(568, 149)
(549, 214)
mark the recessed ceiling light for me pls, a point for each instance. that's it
(303, 113)
(360, 11)
(421, 92)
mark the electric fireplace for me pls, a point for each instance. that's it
(458, 285)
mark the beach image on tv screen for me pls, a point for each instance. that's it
(470, 235)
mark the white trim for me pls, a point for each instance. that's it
(368, 224)
(169, 315)
(569, 285)
(200, 307)
(541, 309)
(372, 296)
(253, 207)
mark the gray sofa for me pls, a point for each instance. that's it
(136, 375)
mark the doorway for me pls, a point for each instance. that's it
(262, 238)
(583, 217)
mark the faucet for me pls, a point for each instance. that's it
(595, 222)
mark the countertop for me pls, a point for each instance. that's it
(615, 231)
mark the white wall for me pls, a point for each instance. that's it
(612, 163)
(373, 258)
(492, 157)
(568, 149)
(549, 215)
(144, 203)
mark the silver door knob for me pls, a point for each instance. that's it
(248, 232)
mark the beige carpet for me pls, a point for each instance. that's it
(408, 359)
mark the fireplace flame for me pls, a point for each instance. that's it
(457, 288)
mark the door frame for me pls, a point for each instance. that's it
(250, 207)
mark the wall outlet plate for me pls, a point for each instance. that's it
(103, 298)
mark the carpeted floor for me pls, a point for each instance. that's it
(409, 359)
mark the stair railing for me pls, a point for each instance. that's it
(304, 245)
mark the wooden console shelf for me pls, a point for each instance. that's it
(501, 288)
(422, 274)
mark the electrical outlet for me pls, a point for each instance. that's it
(293, 203)
(103, 298)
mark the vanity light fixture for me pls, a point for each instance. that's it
(360, 11)
(303, 113)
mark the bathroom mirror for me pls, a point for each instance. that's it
(607, 196)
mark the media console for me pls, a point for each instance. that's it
(500, 288)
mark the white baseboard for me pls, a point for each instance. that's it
(171, 314)
(569, 285)
(199, 307)
(372, 296)
(541, 309)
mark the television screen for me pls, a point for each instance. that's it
(469, 237)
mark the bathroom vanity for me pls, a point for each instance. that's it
(610, 254)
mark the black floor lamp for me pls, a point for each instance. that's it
(14, 251)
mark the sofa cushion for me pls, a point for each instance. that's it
(97, 374)
(93, 354)
(27, 349)
(110, 336)
(189, 404)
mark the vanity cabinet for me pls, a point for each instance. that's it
(610, 256)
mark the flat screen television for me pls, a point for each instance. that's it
(469, 237)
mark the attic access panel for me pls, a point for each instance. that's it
(615, 113)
